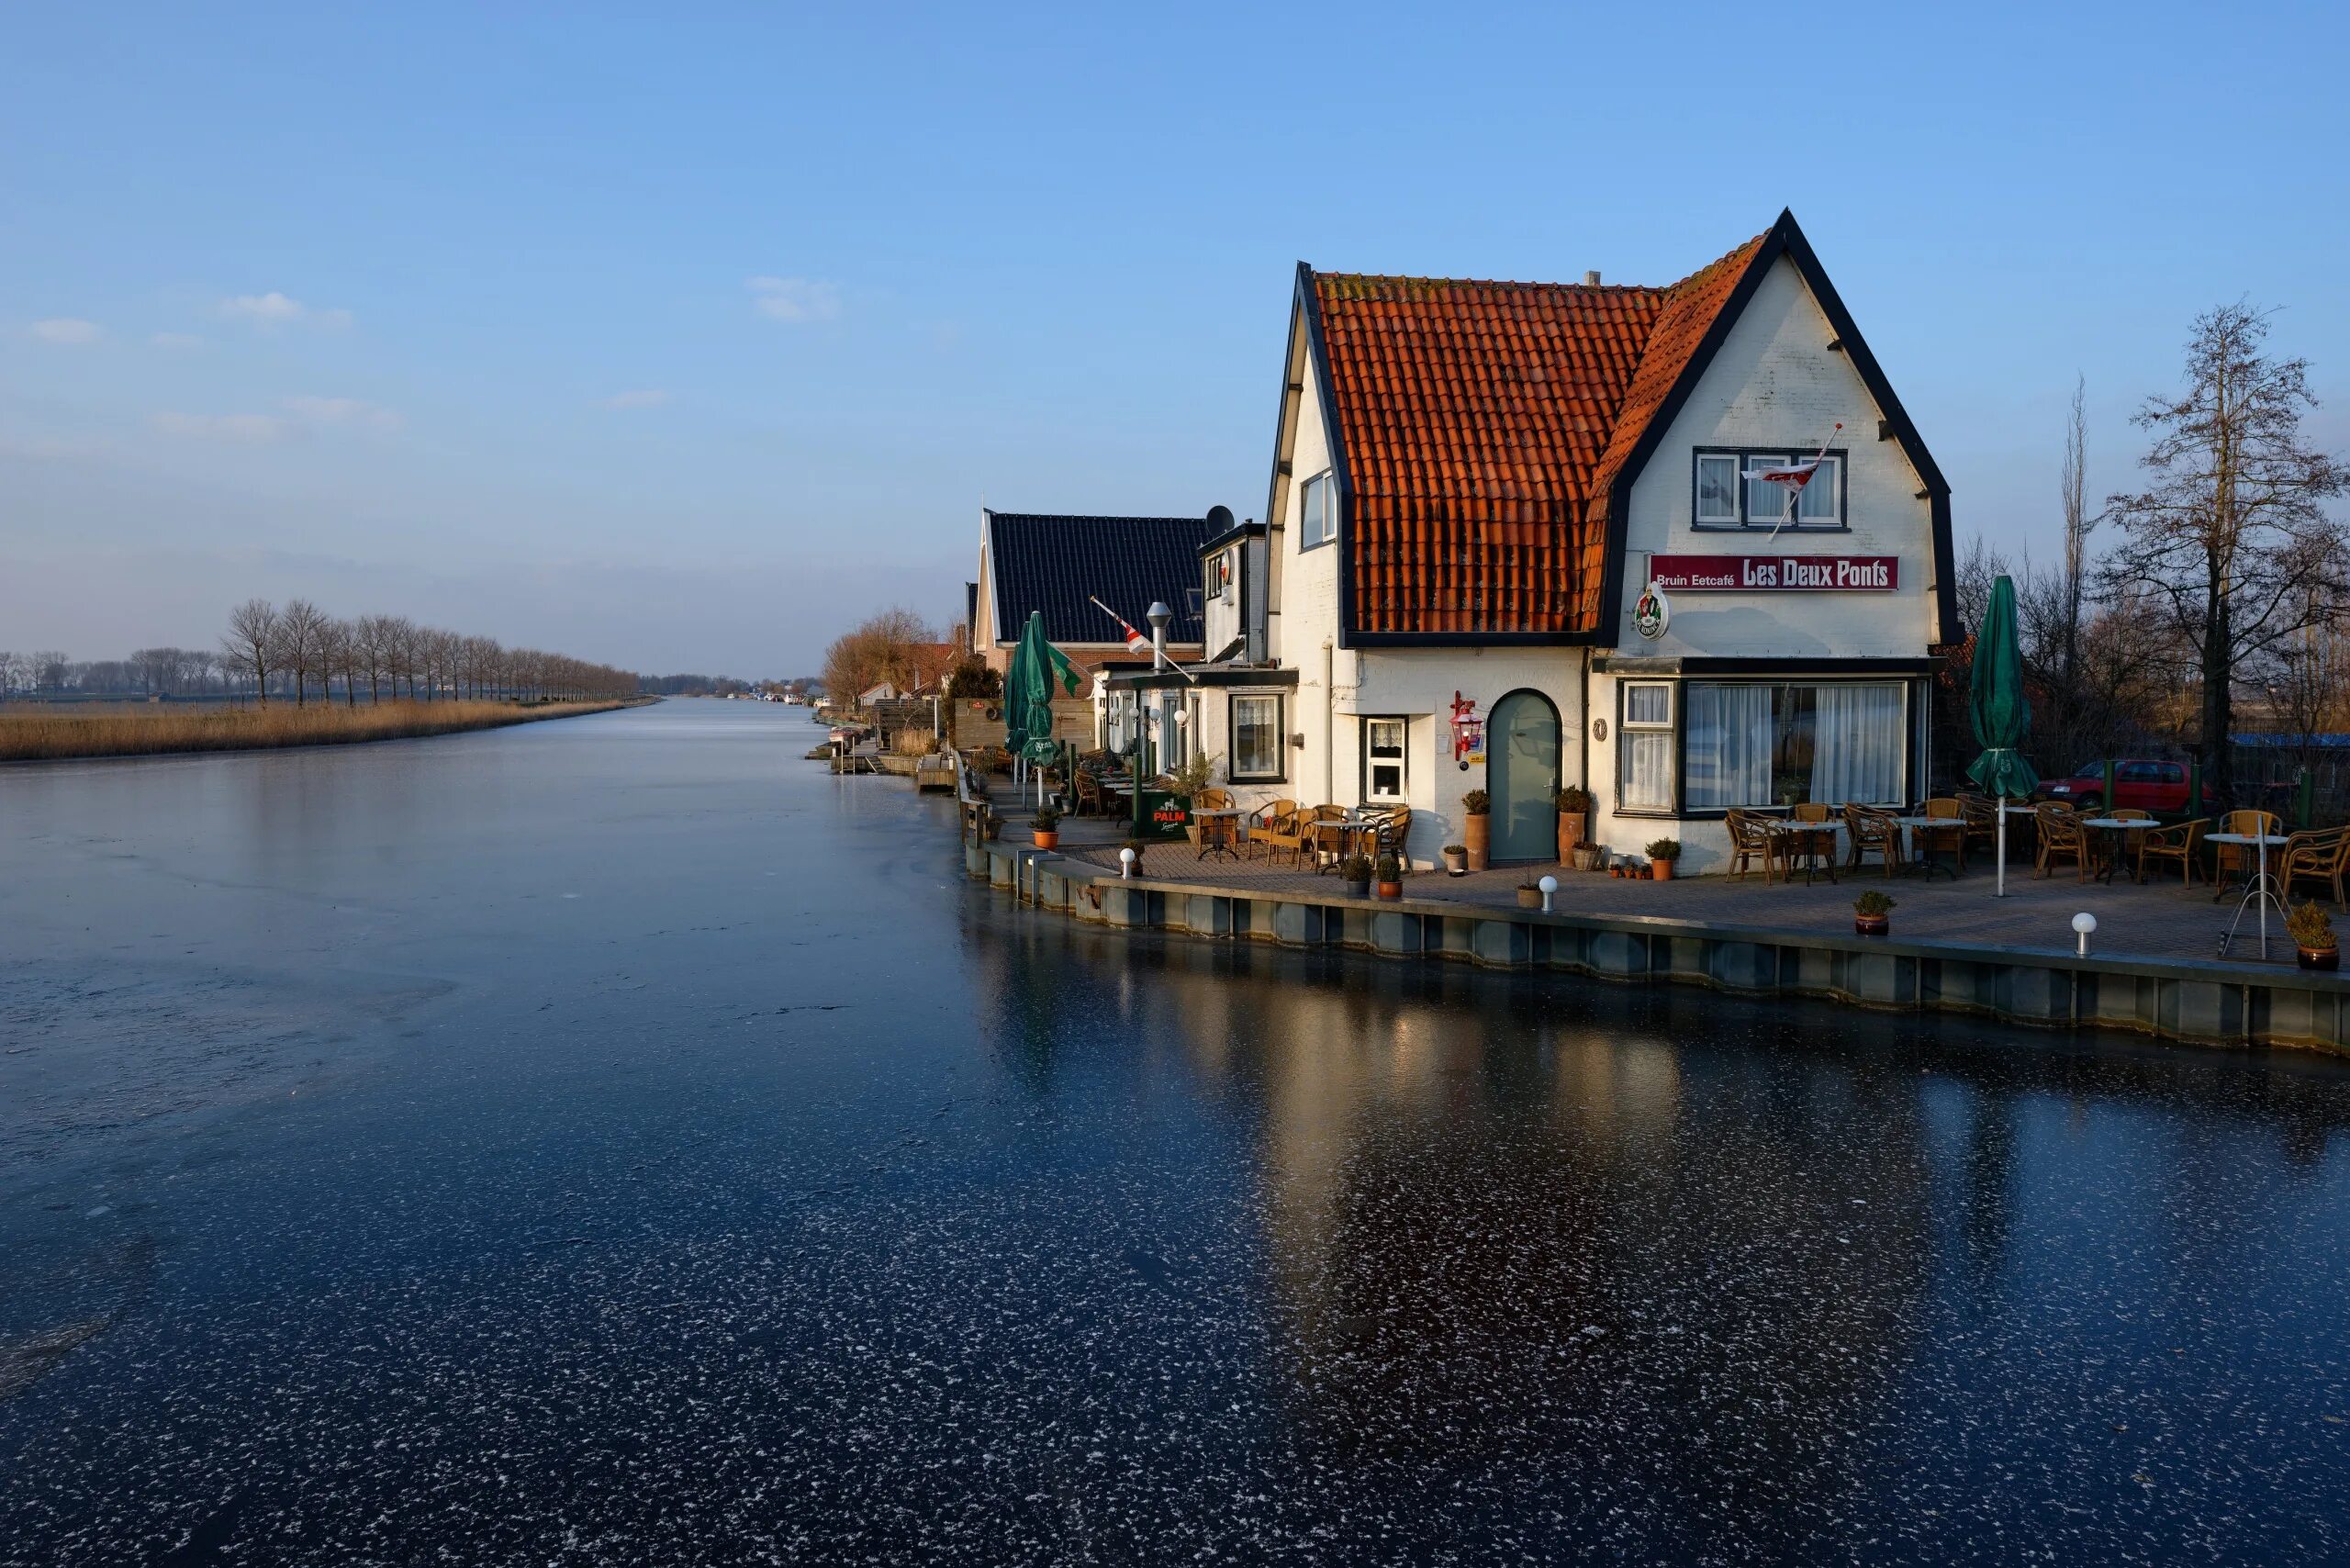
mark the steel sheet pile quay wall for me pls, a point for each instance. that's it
(2202, 1003)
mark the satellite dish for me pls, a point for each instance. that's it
(1219, 521)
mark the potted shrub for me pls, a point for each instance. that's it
(1589, 856)
(1390, 877)
(1529, 896)
(1872, 913)
(1355, 872)
(1047, 826)
(1575, 819)
(1662, 855)
(1455, 859)
(2311, 929)
(1476, 827)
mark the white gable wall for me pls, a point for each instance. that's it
(1776, 384)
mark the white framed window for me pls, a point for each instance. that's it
(1219, 573)
(1257, 753)
(1386, 773)
(1721, 496)
(1316, 513)
(1765, 503)
(1718, 488)
(1644, 748)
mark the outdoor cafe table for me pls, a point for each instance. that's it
(2260, 891)
(1808, 840)
(1922, 865)
(1353, 834)
(1218, 826)
(2110, 830)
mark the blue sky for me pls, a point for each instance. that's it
(681, 337)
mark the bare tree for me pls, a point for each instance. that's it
(250, 643)
(2231, 540)
(2079, 523)
(301, 644)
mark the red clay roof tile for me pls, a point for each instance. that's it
(1482, 423)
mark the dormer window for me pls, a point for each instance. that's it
(1725, 498)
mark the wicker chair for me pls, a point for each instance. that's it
(2178, 842)
(1873, 831)
(1811, 811)
(1394, 832)
(1275, 827)
(2061, 838)
(2236, 859)
(1983, 823)
(1320, 831)
(1749, 839)
(2321, 855)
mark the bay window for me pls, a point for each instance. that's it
(1645, 746)
(1764, 743)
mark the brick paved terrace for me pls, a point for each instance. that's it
(2159, 920)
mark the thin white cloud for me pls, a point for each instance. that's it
(176, 340)
(274, 310)
(348, 412)
(68, 332)
(233, 429)
(795, 299)
(643, 398)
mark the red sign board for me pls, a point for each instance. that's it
(1776, 574)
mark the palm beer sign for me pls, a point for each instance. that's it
(1776, 574)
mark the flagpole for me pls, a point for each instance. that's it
(1788, 515)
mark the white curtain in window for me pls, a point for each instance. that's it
(1729, 755)
(1819, 503)
(1647, 769)
(1717, 489)
(1856, 744)
(1765, 502)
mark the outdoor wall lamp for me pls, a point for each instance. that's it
(2083, 923)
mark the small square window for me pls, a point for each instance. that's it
(1315, 522)
(1717, 487)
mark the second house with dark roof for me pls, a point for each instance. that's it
(1518, 537)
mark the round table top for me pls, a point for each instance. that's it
(2021, 811)
(1790, 825)
(1215, 810)
(2263, 838)
(1931, 821)
(2118, 822)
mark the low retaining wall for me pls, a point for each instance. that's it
(2205, 1004)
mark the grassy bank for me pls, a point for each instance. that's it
(30, 733)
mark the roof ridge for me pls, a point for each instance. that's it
(1425, 281)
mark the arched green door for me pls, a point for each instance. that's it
(1522, 776)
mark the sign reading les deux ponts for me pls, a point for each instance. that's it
(1776, 574)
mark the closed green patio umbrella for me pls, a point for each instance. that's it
(2001, 712)
(1028, 692)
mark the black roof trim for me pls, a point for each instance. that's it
(1238, 530)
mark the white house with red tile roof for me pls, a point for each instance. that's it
(1474, 483)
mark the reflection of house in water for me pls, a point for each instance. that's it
(1494, 1236)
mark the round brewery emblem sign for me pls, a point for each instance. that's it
(1652, 612)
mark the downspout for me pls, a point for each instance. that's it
(1329, 723)
(1583, 732)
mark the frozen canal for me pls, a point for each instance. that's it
(616, 1141)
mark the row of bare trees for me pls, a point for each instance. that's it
(895, 646)
(297, 648)
(2225, 590)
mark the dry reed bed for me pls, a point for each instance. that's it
(32, 733)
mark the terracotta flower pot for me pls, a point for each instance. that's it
(2318, 958)
(1872, 925)
(1390, 889)
(1047, 840)
(1571, 832)
(1478, 832)
(1660, 871)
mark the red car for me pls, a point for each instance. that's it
(2157, 787)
